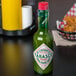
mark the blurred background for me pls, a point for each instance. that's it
(57, 9)
(16, 57)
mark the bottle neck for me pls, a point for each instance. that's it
(43, 20)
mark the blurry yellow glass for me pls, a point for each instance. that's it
(11, 15)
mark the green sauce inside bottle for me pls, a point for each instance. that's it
(43, 43)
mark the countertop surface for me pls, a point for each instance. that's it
(16, 54)
(16, 58)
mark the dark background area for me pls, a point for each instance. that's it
(57, 9)
(16, 53)
(16, 58)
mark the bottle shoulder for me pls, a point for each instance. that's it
(42, 36)
(39, 39)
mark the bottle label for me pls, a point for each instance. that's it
(43, 55)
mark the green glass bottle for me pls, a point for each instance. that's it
(43, 42)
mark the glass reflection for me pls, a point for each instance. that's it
(16, 56)
(1, 41)
(12, 58)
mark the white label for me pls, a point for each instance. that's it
(43, 56)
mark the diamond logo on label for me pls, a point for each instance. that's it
(43, 56)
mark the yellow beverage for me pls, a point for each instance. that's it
(11, 15)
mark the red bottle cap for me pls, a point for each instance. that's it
(43, 6)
